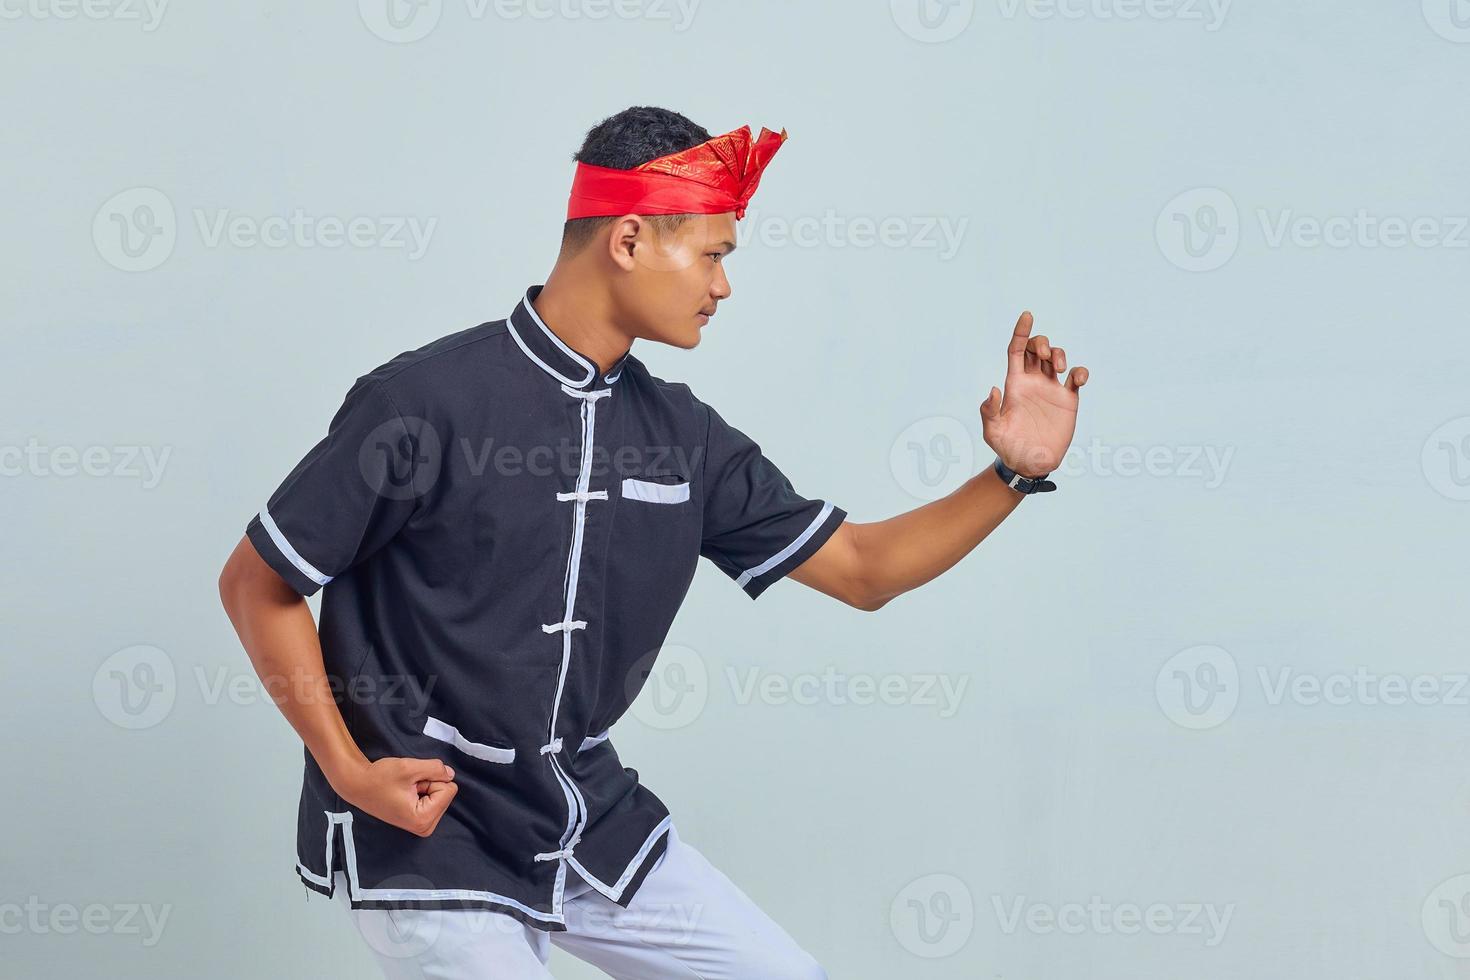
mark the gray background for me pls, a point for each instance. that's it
(1268, 497)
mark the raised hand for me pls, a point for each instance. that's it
(1031, 425)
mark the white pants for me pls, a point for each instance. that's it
(687, 922)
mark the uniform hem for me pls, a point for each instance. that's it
(644, 869)
(557, 924)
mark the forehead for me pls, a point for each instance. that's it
(708, 228)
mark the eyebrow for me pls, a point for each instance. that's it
(729, 246)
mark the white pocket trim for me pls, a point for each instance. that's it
(434, 728)
(656, 493)
(592, 740)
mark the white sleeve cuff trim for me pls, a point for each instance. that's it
(787, 551)
(302, 565)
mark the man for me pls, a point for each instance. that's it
(507, 520)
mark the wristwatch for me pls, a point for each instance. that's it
(1023, 484)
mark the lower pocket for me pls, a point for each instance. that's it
(447, 733)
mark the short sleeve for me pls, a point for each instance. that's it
(757, 528)
(347, 496)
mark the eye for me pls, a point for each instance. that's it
(715, 255)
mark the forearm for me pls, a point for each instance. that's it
(278, 633)
(905, 551)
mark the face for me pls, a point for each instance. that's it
(674, 281)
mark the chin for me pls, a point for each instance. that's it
(687, 339)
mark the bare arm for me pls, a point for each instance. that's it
(866, 565)
(277, 630)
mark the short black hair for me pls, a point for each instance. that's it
(626, 140)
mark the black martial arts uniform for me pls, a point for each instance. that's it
(505, 534)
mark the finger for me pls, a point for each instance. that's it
(436, 800)
(433, 809)
(990, 407)
(1058, 361)
(1077, 377)
(1038, 355)
(419, 769)
(1016, 352)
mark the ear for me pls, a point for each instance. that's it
(622, 240)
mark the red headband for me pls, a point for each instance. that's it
(716, 176)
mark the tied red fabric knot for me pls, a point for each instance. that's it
(721, 174)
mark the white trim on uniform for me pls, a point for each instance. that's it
(592, 740)
(292, 555)
(655, 493)
(615, 892)
(588, 365)
(787, 551)
(576, 804)
(444, 732)
(355, 892)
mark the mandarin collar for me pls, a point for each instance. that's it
(552, 354)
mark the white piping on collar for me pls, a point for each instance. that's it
(590, 368)
(591, 371)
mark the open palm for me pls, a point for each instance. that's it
(1031, 425)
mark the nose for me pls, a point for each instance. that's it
(720, 288)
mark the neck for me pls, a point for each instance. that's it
(573, 307)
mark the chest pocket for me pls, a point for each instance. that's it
(660, 489)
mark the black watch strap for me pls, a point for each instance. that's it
(1023, 484)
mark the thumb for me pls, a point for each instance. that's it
(990, 407)
(430, 769)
